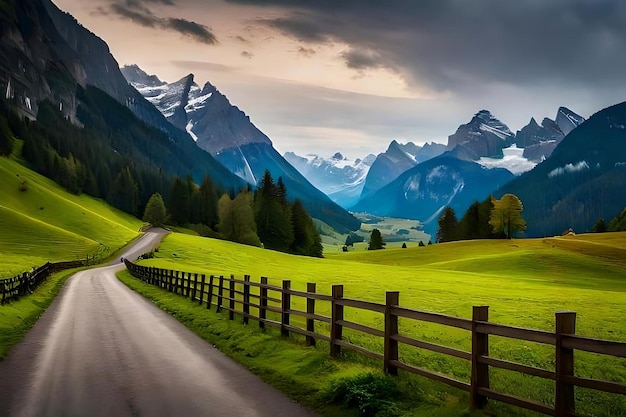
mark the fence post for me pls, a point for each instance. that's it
(231, 302)
(391, 329)
(246, 298)
(194, 290)
(310, 309)
(210, 295)
(220, 294)
(170, 280)
(480, 347)
(565, 403)
(262, 302)
(284, 308)
(178, 283)
(188, 292)
(202, 284)
(336, 330)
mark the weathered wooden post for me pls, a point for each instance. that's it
(391, 330)
(310, 309)
(231, 302)
(209, 300)
(480, 347)
(564, 403)
(194, 289)
(188, 290)
(262, 302)
(285, 306)
(220, 293)
(336, 330)
(246, 298)
(202, 284)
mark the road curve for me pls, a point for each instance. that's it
(103, 350)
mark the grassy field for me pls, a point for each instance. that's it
(523, 281)
(45, 223)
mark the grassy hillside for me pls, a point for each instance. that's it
(523, 281)
(45, 223)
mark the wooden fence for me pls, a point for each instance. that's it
(26, 282)
(222, 292)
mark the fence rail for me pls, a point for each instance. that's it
(221, 292)
(25, 283)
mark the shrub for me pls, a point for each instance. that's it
(373, 395)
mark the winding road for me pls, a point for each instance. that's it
(102, 350)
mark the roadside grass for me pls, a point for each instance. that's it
(523, 281)
(306, 374)
(17, 317)
(46, 223)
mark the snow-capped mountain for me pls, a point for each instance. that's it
(395, 160)
(423, 191)
(539, 141)
(484, 135)
(340, 178)
(227, 133)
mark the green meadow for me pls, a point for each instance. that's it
(40, 222)
(524, 282)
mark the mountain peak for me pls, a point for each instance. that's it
(567, 120)
(135, 75)
(338, 156)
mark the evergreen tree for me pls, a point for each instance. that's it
(208, 198)
(376, 240)
(506, 216)
(618, 224)
(599, 226)
(124, 192)
(155, 212)
(272, 215)
(306, 238)
(179, 202)
(447, 230)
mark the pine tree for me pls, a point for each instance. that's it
(272, 215)
(155, 212)
(599, 226)
(124, 192)
(447, 230)
(179, 202)
(376, 240)
(208, 198)
(306, 238)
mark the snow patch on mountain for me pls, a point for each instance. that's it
(568, 169)
(513, 160)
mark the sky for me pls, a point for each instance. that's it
(321, 76)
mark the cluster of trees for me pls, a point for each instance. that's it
(489, 219)
(261, 218)
(116, 157)
(618, 224)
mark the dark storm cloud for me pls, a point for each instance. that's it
(138, 12)
(460, 45)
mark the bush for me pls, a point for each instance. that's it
(373, 395)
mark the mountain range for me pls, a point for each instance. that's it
(229, 136)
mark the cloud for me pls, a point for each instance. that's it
(449, 45)
(247, 54)
(306, 52)
(138, 12)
